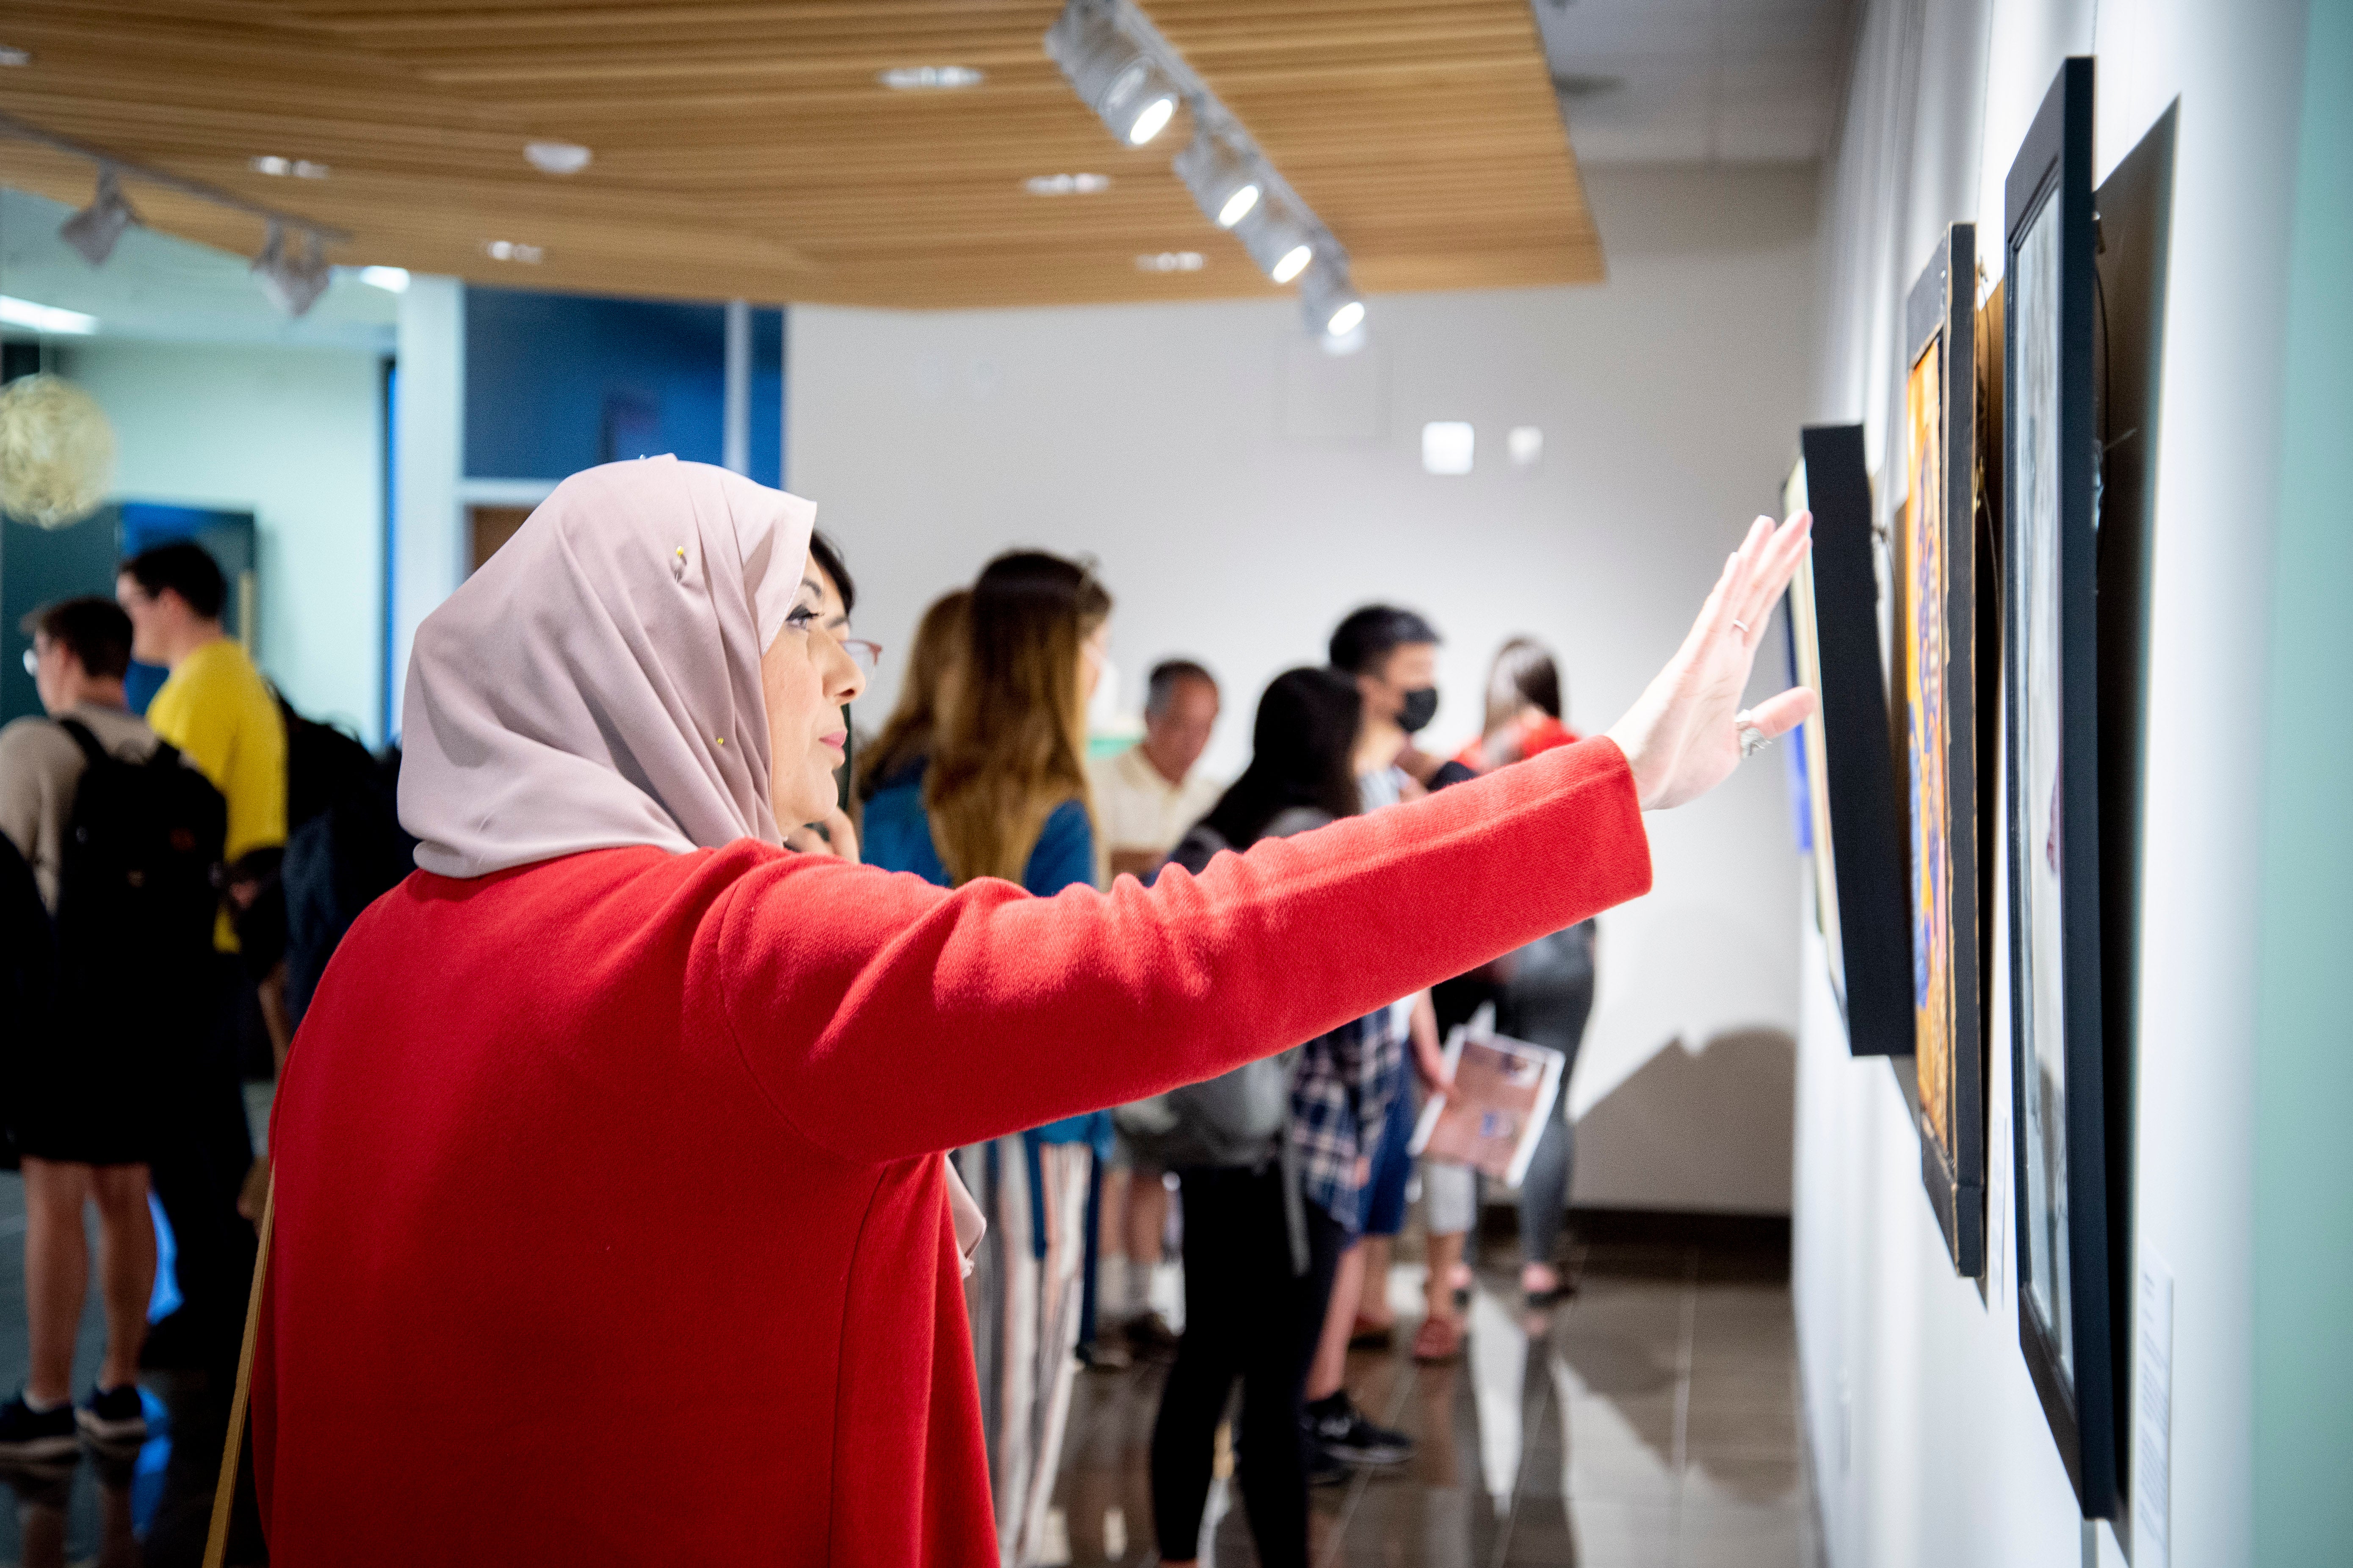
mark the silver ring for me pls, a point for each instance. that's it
(1741, 624)
(1752, 738)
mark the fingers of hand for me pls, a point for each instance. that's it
(1715, 614)
(1740, 578)
(1778, 562)
(1779, 715)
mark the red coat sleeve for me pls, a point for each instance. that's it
(885, 1018)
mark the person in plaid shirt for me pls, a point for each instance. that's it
(1338, 1099)
(1263, 1236)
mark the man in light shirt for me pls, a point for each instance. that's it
(1147, 798)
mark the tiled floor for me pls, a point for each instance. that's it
(1652, 1419)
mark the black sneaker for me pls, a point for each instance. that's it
(29, 1433)
(114, 1414)
(1341, 1430)
(1324, 1470)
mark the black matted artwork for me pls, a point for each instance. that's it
(2051, 565)
(1937, 658)
(1858, 852)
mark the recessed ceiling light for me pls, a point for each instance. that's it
(10, 55)
(1447, 446)
(557, 157)
(45, 317)
(1171, 261)
(299, 168)
(1525, 443)
(1067, 184)
(1295, 262)
(934, 79)
(509, 250)
(392, 279)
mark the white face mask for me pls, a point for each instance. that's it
(1102, 708)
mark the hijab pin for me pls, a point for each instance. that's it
(677, 564)
(720, 740)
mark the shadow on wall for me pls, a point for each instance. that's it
(1706, 1130)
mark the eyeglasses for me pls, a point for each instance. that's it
(865, 655)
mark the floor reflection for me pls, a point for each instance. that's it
(1651, 1419)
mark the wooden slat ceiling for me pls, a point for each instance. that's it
(745, 148)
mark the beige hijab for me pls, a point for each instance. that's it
(597, 682)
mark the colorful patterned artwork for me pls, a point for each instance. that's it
(1928, 741)
(1941, 657)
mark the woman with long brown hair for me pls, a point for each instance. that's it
(1004, 794)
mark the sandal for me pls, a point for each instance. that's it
(1440, 1339)
(1559, 1289)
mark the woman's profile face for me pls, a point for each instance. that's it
(806, 678)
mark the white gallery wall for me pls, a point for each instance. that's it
(1930, 1446)
(296, 435)
(1242, 490)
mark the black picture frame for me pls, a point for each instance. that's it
(2050, 557)
(1856, 837)
(1938, 656)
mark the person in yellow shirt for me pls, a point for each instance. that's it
(222, 715)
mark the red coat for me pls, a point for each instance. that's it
(610, 1225)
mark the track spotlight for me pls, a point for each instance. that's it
(95, 228)
(1227, 181)
(1114, 71)
(1280, 241)
(1331, 303)
(293, 275)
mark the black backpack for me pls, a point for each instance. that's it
(136, 891)
(336, 864)
(324, 767)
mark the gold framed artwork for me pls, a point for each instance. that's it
(1936, 650)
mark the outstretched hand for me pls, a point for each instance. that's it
(1681, 737)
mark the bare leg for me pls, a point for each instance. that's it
(1445, 1274)
(1373, 1308)
(1330, 1370)
(57, 1272)
(1110, 1252)
(1147, 1218)
(126, 1268)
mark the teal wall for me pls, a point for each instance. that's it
(2304, 1044)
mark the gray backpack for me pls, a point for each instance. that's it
(1236, 1118)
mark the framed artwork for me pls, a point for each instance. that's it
(1850, 792)
(2051, 560)
(1936, 656)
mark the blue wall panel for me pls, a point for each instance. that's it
(558, 383)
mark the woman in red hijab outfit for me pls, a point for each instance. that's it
(611, 1221)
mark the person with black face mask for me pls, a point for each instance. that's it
(1391, 654)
